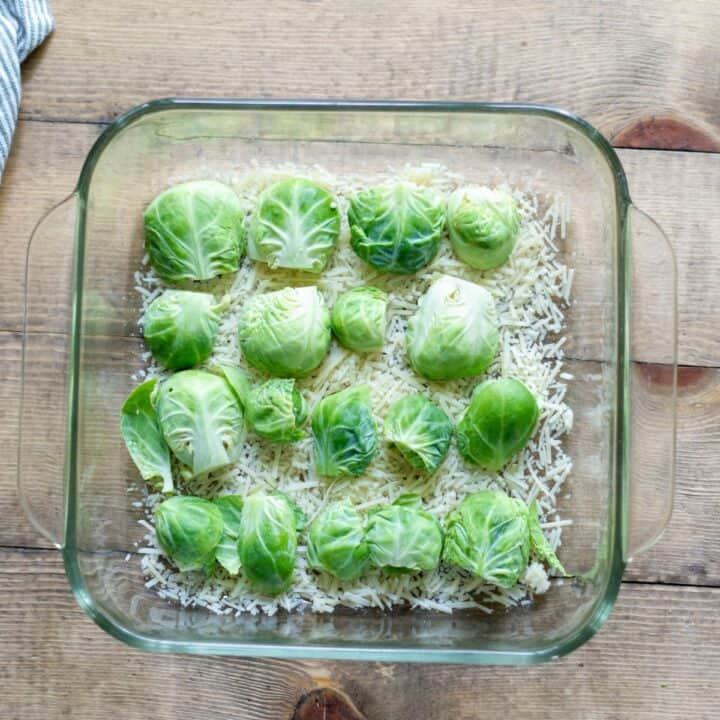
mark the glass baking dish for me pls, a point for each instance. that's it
(81, 347)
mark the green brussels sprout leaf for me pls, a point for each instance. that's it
(336, 542)
(402, 538)
(268, 542)
(285, 333)
(276, 411)
(227, 553)
(299, 516)
(201, 420)
(483, 226)
(144, 439)
(345, 433)
(488, 535)
(295, 225)
(188, 530)
(180, 327)
(411, 500)
(230, 507)
(238, 382)
(195, 231)
(454, 333)
(358, 319)
(420, 431)
(497, 424)
(396, 228)
(539, 544)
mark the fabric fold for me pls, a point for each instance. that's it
(24, 24)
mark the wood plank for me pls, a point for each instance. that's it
(637, 60)
(677, 189)
(689, 550)
(42, 170)
(688, 553)
(645, 664)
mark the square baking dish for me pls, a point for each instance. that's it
(82, 345)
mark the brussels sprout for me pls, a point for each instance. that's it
(419, 430)
(539, 544)
(285, 333)
(238, 382)
(195, 231)
(336, 542)
(454, 333)
(188, 530)
(276, 411)
(144, 439)
(268, 542)
(358, 319)
(201, 420)
(180, 327)
(497, 424)
(488, 535)
(396, 228)
(227, 553)
(345, 434)
(300, 517)
(295, 225)
(403, 537)
(483, 226)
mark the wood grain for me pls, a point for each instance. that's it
(665, 133)
(626, 59)
(647, 74)
(326, 704)
(42, 170)
(643, 665)
(677, 189)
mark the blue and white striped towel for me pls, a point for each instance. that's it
(24, 24)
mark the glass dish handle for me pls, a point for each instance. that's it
(44, 378)
(653, 382)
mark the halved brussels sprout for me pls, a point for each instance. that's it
(267, 542)
(276, 411)
(483, 226)
(498, 423)
(144, 439)
(295, 225)
(420, 430)
(404, 538)
(488, 535)
(226, 553)
(454, 333)
(285, 333)
(201, 420)
(358, 319)
(180, 327)
(188, 530)
(195, 231)
(345, 433)
(336, 542)
(396, 228)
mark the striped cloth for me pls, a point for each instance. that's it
(24, 24)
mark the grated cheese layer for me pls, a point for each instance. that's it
(531, 292)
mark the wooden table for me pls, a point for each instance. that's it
(647, 74)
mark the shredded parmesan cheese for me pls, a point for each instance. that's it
(531, 291)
